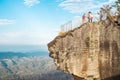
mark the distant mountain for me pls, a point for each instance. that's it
(29, 66)
(9, 55)
(4, 55)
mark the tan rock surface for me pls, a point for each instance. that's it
(89, 52)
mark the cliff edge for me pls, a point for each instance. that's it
(89, 52)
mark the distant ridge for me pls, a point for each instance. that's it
(9, 55)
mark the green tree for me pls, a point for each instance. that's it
(106, 9)
(117, 3)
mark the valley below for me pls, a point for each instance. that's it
(19, 66)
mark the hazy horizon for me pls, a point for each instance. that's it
(23, 48)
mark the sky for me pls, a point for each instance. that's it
(37, 22)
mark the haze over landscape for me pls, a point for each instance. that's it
(27, 26)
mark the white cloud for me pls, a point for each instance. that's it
(13, 34)
(6, 22)
(24, 38)
(80, 6)
(31, 2)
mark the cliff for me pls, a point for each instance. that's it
(89, 52)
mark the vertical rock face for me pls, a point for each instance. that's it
(89, 52)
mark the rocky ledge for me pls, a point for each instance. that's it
(89, 52)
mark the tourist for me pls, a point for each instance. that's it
(100, 15)
(83, 18)
(90, 16)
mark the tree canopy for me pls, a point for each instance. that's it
(117, 3)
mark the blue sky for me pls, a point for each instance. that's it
(37, 22)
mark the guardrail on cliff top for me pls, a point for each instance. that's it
(77, 22)
(71, 25)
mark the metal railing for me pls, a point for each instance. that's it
(70, 25)
(77, 22)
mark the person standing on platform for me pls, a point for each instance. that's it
(100, 15)
(90, 16)
(83, 18)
